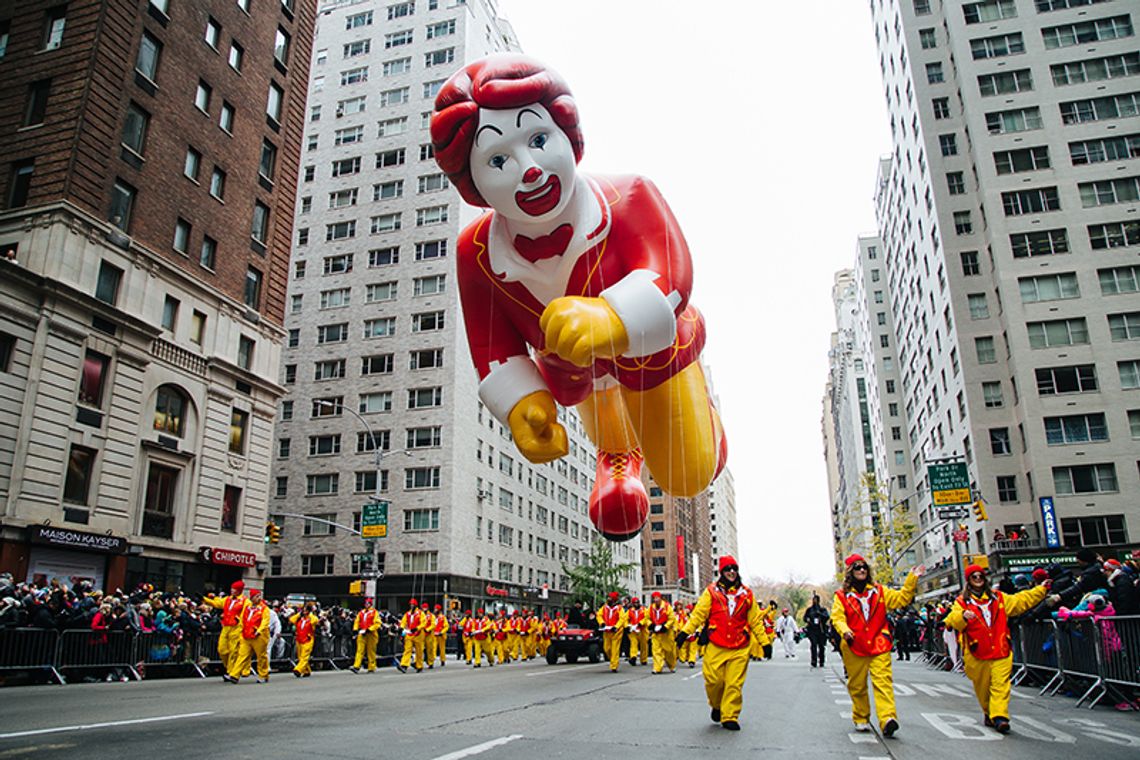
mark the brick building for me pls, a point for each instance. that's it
(146, 186)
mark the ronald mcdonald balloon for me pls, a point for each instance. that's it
(575, 290)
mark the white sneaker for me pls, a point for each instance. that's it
(863, 728)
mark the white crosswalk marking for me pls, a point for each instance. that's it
(941, 689)
(958, 726)
(863, 738)
(1041, 731)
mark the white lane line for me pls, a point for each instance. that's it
(863, 738)
(843, 701)
(694, 675)
(479, 748)
(88, 726)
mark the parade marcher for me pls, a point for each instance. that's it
(502, 636)
(229, 640)
(662, 626)
(366, 626)
(482, 633)
(413, 627)
(438, 638)
(638, 632)
(816, 622)
(733, 618)
(304, 634)
(466, 627)
(545, 632)
(680, 617)
(770, 629)
(982, 615)
(254, 640)
(515, 635)
(612, 621)
(786, 629)
(859, 614)
(696, 648)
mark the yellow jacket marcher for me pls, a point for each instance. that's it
(367, 627)
(662, 627)
(860, 617)
(414, 625)
(254, 639)
(986, 651)
(734, 621)
(304, 635)
(612, 620)
(229, 640)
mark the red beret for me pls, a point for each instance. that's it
(237, 586)
(971, 569)
(468, 612)
(255, 592)
(368, 600)
(479, 612)
(613, 595)
(727, 561)
(411, 602)
(852, 559)
(1040, 574)
(439, 606)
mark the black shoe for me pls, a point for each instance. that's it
(430, 667)
(1002, 725)
(306, 675)
(295, 673)
(715, 715)
(227, 678)
(354, 670)
(731, 725)
(442, 664)
(401, 668)
(889, 729)
(987, 722)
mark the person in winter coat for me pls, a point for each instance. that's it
(982, 616)
(859, 614)
(817, 621)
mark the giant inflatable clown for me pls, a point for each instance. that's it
(575, 289)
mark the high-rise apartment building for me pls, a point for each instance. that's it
(1006, 215)
(147, 185)
(722, 516)
(676, 544)
(376, 355)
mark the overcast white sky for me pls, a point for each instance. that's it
(762, 122)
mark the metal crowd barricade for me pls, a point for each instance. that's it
(157, 649)
(1076, 640)
(206, 654)
(934, 649)
(1120, 651)
(1019, 668)
(30, 649)
(281, 653)
(113, 651)
(1040, 656)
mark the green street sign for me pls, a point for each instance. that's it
(374, 519)
(949, 484)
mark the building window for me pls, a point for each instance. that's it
(948, 144)
(998, 46)
(1125, 326)
(239, 428)
(1014, 120)
(934, 73)
(107, 286)
(420, 478)
(135, 128)
(1080, 378)
(1088, 478)
(421, 520)
(259, 227)
(54, 21)
(245, 352)
(1041, 243)
(989, 10)
(150, 51)
(428, 562)
(122, 203)
(1005, 83)
(425, 398)
(1022, 160)
(962, 223)
(1007, 489)
(281, 47)
(316, 564)
(388, 190)
(941, 108)
(218, 183)
(1049, 287)
(427, 321)
(1035, 201)
(20, 182)
(231, 500)
(80, 466)
(170, 411)
(1075, 428)
(213, 33)
(1107, 530)
(374, 403)
(236, 56)
(169, 313)
(1058, 332)
(252, 294)
(1129, 374)
(202, 96)
(208, 253)
(987, 353)
(955, 183)
(158, 506)
(322, 485)
(999, 442)
(979, 309)
(197, 328)
(274, 102)
(991, 392)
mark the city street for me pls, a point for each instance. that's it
(529, 710)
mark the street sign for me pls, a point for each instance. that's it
(374, 519)
(961, 536)
(952, 513)
(949, 484)
(1049, 519)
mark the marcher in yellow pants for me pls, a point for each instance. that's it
(612, 620)
(229, 640)
(733, 618)
(367, 627)
(638, 632)
(254, 640)
(414, 625)
(859, 614)
(662, 626)
(304, 625)
(982, 616)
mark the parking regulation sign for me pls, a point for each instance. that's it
(374, 519)
(949, 484)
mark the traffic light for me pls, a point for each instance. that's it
(272, 533)
(980, 511)
(356, 588)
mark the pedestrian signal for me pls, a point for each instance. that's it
(980, 511)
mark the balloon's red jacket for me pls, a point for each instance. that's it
(638, 262)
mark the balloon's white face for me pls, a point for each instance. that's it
(522, 163)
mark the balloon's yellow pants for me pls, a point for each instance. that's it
(724, 671)
(366, 646)
(664, 652)
(879, 668)
(249, 648)
(991, 679)
(413, 645)
(304, 652)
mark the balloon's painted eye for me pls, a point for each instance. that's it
(539, 140)
(498, 161)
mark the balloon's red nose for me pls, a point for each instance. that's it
(532, 174)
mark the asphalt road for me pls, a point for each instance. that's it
(533, 710)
